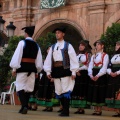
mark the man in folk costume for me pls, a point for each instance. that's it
(61, 64)
(26, 63)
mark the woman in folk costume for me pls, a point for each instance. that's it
(26, 63)
(46, 92)
(61, 64)
(113, 87)
(97, 71)
(79, 93)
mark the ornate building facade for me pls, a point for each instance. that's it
(84, 19)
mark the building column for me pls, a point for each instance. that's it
(96, 24)
(22, 15)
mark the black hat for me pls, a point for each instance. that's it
(29, 30)
(62, 29)
(99, 41)
(86, 43)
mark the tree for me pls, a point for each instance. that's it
(111, 36)
(45, 42)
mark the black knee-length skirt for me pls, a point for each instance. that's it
(113, 89)
(97, 90)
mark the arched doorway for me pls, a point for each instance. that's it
(72, 34)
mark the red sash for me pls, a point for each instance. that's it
(101, 62)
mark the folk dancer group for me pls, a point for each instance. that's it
(79, 80)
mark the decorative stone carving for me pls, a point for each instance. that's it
(52, 3)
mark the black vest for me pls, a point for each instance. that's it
(66, 59)
(63, 71)
(30, 50)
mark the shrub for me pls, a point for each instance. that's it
(45, 42)
(111, 36)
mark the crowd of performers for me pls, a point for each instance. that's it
(67, 79)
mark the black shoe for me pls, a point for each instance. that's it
(45, 109)
(64, 115)
(81, 112)
(33, 109)
(20, 110)
(116, 115)
(77, 112)
(60, 110)
(24, 111)
(94, 113)
(49, 109)
(99, 113)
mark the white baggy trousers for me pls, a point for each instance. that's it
(24, 82)
(63, 85)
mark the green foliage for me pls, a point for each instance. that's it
(5, 60)
(45, 42)
(12, 44)
(111, 36)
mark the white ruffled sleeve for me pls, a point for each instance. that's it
(48, 62)
(90, 67)
(74, 64)
(109, 71)
(38, 61)
(103, 70)
(17, 56)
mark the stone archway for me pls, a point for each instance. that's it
(39, 30)
(74, 34)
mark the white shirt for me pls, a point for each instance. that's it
(57, 56)
(82, 59)
(115, 60)
(17, 56)
(98, 58)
